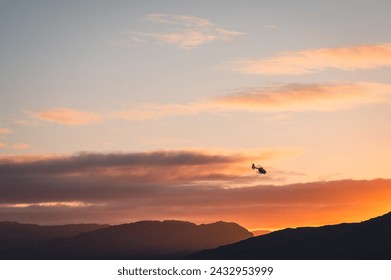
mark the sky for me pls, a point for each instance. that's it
(119, 111)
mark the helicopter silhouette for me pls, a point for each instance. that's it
(260, 169)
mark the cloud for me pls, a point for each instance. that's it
(137, 112)
(156, 166)
(186, 185)
(2, 145)
(302, 97)
(67, 116)
(82, 187)
(4, 130)
(178, 20)
(150, 111)
(98, 178)
(199, 186)
(270, 26)
(314, 60)
(26, 122)
(287, 97)
(20, 146)
(47, 204)
(186, 32)
(86, 161)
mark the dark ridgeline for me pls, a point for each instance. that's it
(140, 240)
(14, 230)
(17, 239)
(178, 240)
(368, 240)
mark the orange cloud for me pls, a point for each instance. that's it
(105, 199)
(19, 159)
(150, 111)
(67, 116)
(139, 112)
(308, 61)
(199, 186)
(2, 145)
(301, 97)
(20, 146)
(4, 130)
(289, 97)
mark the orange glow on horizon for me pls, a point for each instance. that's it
(201, 187)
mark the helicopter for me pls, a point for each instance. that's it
(260, 169)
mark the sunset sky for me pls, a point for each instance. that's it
(119, 111)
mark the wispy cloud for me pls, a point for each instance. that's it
(2, 145)
(47, 204)
(314, 60)
(191, 185)
(303, 97)
(67, 116)
(186, 32)
(20, 146)
(5, 130)
(150, 111)
(136, 112)
(278, 98)
(270, 26)
(26, 122)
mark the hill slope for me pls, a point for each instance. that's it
(17, 238)
(14, 230)
(366, 240)
(140, 240)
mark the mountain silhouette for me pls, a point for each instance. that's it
(16, 238)
(368, 240)
(16, 230)
(140, 240)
